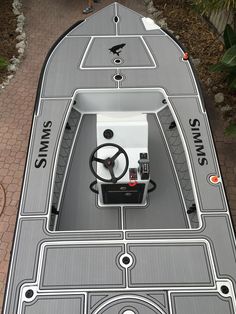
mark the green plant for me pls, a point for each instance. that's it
(3, 63)
(227, 62)
(207, 6)
(231, 129)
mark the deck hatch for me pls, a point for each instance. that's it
(170, 264)
(80, 266)
(74, 304)
(132, 51)
(210, 303)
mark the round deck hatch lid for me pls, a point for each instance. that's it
(129, 305)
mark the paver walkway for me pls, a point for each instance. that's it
(46, 20)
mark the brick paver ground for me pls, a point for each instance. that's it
(46, 20)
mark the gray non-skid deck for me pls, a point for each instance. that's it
(68, 254)
(165, 209)
(79, 209)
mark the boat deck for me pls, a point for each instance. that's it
(79, 209)
(72, 256)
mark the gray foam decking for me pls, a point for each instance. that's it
(54, 304)
(176, 268)
(100, 57)
(79, 210)
(172, 267)
(78, 271)
(201, 304)
(165, 209)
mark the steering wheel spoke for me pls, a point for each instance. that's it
(98, 160)
(117, 154)
(113, 178)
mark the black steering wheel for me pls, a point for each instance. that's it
(109, 162)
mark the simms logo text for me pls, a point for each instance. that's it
(41, 161)
(198, 142)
